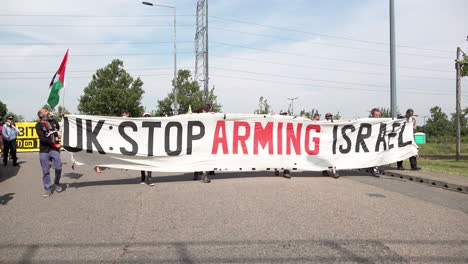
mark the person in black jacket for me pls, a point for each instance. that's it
(146, 175)
(49, 151)
(413, 160)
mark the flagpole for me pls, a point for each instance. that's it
(63, 92)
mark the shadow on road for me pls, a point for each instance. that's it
(189, 177)
(4, 199)
(247, 251)
(73, 175)
(6, 172)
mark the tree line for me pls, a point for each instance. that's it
(113, 90)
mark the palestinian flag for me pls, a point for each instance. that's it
(58, 81)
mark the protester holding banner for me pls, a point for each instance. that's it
(375, 113)
(9, 133)
(146, 175)
(203, 109)
(49, 151)
(413, 160)
(286, 173)
(332, 169)
(316, 117)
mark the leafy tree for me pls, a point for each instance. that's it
(337, 116)
(464, 66)
(463, 121)
(18, 118)
(263, 107)
(57, 114)
(438, 124)
(3, 109)
(111, 91)
(309, 114)
(189, 94)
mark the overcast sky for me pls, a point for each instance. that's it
(332, 54)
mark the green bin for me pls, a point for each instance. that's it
(420, 138)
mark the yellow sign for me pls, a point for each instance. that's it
(27, 139)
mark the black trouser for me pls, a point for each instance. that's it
(413, 162)
(9, 146)
(147, 178)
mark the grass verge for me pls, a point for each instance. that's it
(445, 166)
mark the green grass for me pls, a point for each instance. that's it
(439, 156)
(446, 166)
(442, 149)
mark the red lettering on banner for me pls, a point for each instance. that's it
(220, 126)
(238, 138)
(280, 139)
(263, 136)
(294, 138)
(316, 140)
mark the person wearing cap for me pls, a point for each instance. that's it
(146, 175)
(9, 133)
(332, 169)
(413, 160)
(49, 151)
(375, 113)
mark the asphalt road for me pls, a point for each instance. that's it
(249, 217)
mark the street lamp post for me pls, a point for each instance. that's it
(174, 81)
(292, 104)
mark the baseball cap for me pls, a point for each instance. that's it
(146, 114)
(10, 117)
(410, 111)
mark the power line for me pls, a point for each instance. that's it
(220, 18)
(74, 77)
(326, 44)
(309, 79)
(299, 78)
(140, 69)
(94, 26)
(324, 58)
(92, 16)
(325, 68)
(90, 43)
(325, 35)
(93, 55)
(323, 86)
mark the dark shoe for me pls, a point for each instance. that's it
(195, 176)
(205, 179)
(375, 172)
(58, 188)
(415, 168)
(400, 168)
(15, 164)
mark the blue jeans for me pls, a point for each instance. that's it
(45, 158)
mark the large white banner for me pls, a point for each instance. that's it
(235, 142)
